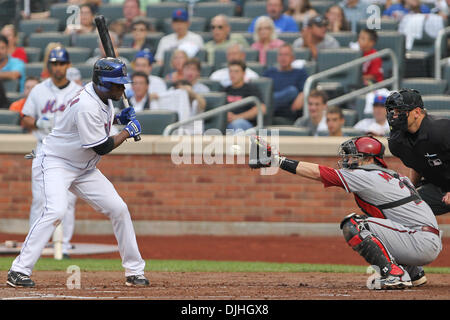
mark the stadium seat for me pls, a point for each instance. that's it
(33, 69)
(85, 70)
(350, 116)
(253, 9)
(214, 100)
(41, 40)
(209, 10)
(386, 24)
(311, 67)
(9, 117)
(257, 67)
(155, 121)
(88, 40)
(163, 10)
(20, 39)
(436, 102)
(265, 87)
(156, 70)
(59, 11)
(300, 53)
(11, 85)
(344, 37)
(214, 86)
(198, 24)
(426, 86)
(321, 6)
(289, 37)
(396, 41)
(33, 54)
(14, 96)
(239, 24)
(11, 129)
(128, 53)
(360, 105)
(78, 54)
(207, 69)
(111, 11)
(285, 130)
(37, 26)
(329, 58)
(206, 36)
(440, 114)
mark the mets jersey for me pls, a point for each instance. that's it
(47, 100)
(86, 123)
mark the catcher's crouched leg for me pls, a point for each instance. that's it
(358, 236)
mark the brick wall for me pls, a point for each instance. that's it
(156, 189)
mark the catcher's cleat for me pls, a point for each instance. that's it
(419, 280)
(396, 279)
(18, 279)
(139, 280)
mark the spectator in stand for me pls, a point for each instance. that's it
(242, 118)
(131, 10)
(335, 121)
(181, 35)
(283, 22)
(265, 38)
(140, 29)
(17, 106)
(372, 70)
(179, 58)
(301, 11)
(315, 37)
(288, 85)
(221, 37)
(316, 121)
(10, 32)
(398, 10)
(378, 124)
(191, 72)
(87, 15)
(234, 52)
(354, 11)
(100, 52)
(10, 68)
(336, 19)
(140, 98)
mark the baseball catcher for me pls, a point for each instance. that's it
(397, 231)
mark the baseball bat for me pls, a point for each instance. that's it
(109, 51)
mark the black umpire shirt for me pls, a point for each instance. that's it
(427, 151)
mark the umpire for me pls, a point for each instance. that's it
(422, 142)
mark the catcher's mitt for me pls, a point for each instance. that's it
(261, 153)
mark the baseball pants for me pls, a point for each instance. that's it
(55, 179)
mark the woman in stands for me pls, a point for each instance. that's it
(336, 19)
(265, 38)
(300, 10)
(10, 32)
(179, 58)
(87, 15)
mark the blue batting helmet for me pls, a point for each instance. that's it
(59, 54)
(108, 71)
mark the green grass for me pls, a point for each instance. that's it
(197, 266)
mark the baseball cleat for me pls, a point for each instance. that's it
(18, 279)
(396, 279)
(419, 280)
(138, 280)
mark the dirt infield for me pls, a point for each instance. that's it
(230, 286)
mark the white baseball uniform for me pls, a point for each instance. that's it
(47, 100)
(68, 162)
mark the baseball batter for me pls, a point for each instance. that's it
(67, 161)
(398, 233)
(42, 109)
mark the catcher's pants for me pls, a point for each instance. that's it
(408, 246)
(55, 179)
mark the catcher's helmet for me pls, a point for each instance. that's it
(58, 54)
(402, 101)
(361, 147)
(108, 71)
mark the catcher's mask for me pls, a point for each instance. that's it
(399, 104)
(356, 149)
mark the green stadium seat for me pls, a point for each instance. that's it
(440, 113)
(59, 11)
(14, 96)
(344, 37)
(426, 86)
(436, 102)
(350, 116)
(9, 117)
(253, 9)
(207, 69)
(79, 54)
(289, 37)
(396, 41)
(214, 100)
(155, 121)
(85, 70)
(386, 24)
(87, 40)
(214, 86)
(322, 6)
(111, 11)
(11, 129)
(41, 40)
(20, 39)
(209, 10)
(37, 26)
(33, 54)
(198, 24)
(239, 24)
(156, 70)
(163, 10)
(33, 69)
(128, 53)
(265, 87)
(257, 67)
(11, 85)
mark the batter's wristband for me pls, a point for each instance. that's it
(289, 165)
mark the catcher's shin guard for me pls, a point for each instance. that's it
(357, 234)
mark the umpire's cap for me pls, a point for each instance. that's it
(405, 99)
(110, 70)
(59, 54)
